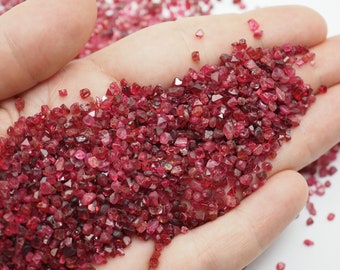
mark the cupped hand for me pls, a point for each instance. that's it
(38, 43)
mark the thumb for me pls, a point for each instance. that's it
(39, 37)
(233, 241)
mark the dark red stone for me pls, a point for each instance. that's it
(195, 55)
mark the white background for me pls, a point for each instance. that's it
(289, 247)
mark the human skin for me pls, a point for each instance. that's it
(39, 40)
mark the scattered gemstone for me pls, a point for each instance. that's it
(63, 92)
(322, 89)
(280, 266)
(309, 221)
(330, 216)
(195, 55)
(308, 242)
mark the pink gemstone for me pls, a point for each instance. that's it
(258, 33)
(330, 216)
(280, 266)
(308, 242)
(195, 56)
(328, 183)
(127, 240)
(46, 188)
(121, 133)
(181, 142)
(85, 93)
(87, 228)
(197, 111)
(63, 92)
(88, 198)
(59, 164)
(164, 138)
(152, 226)
(322, 89)
(309, 221)
(267, 166)
(93, 162)
(211, 164)
(199, 33)
(228, 130)
(231, 201)
(80, 154)
(153, 262)
(311, 208)
(246, 179)
(32, 223)
(253, 25)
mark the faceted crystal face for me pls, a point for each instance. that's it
(77, 183)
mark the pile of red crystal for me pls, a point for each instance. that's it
(76, 183)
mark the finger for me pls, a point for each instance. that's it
(318, 131)
(234, 240)
(38, 37)
(156, 54)
(326, 67)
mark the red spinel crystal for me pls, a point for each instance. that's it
(280, 266)
(253, 25)
(85, 93)
(199, 33)
(322, 89)
(309, 221)
(308, 242)
(63, 92)
(330, 216)
(195, 55)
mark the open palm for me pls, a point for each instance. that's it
(39, 39)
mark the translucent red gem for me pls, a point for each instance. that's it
(85, 93)
(330, 216)
(199, 33)
(309, 221)
(195, 55)
(308, 242)
(63, 92)
(280, 266)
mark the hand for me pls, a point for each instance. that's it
(38, 41)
